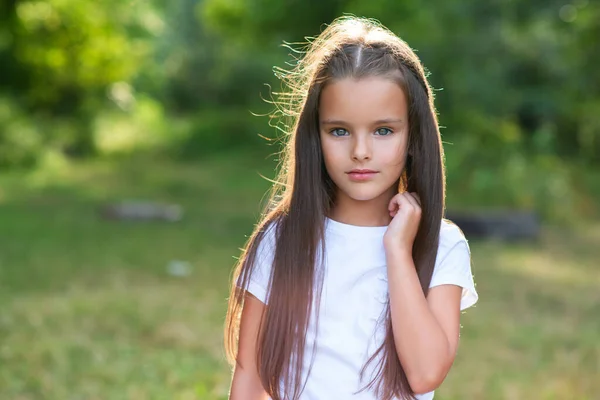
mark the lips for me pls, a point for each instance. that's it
(362, 171)
(361, 174)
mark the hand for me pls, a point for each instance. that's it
(405, 209)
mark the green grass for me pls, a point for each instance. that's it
(90, 312)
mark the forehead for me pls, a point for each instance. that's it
(362, 100)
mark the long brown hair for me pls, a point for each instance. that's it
(303, 195)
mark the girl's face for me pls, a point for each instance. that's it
(364, 125)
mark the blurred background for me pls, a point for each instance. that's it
(133, 158)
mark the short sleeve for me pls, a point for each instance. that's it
(454, 267)
(258, 283)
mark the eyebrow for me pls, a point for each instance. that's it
(379, 121)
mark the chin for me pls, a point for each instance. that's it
(363, 194)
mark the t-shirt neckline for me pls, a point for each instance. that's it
(354, 230)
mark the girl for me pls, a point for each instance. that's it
(351, 285)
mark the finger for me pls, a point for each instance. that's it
(416, 197)
(391, 203)
(402, 202)
(411, 200)
(394, 202)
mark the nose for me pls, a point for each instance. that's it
(361, 149)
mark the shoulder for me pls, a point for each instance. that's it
(259, 268)
(450, 236)
(453, 263)
(453, 250)
(267, 238)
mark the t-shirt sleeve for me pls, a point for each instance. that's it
(454, 268)
(258, 283)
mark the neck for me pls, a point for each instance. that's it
(372, 212)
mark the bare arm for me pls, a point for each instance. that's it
(426, 330)
(246, 383)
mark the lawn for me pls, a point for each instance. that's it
(90, 310)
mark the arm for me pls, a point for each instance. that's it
(246, 384)
(426, 330)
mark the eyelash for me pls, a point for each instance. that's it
(342, 129)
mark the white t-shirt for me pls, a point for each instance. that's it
(353, 299)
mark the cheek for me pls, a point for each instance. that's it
(393, 155)
(331, 154)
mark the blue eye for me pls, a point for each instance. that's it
(384, 131)
(338, 130)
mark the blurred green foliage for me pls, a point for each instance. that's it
(516, 83)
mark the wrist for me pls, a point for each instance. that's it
(399, 256)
